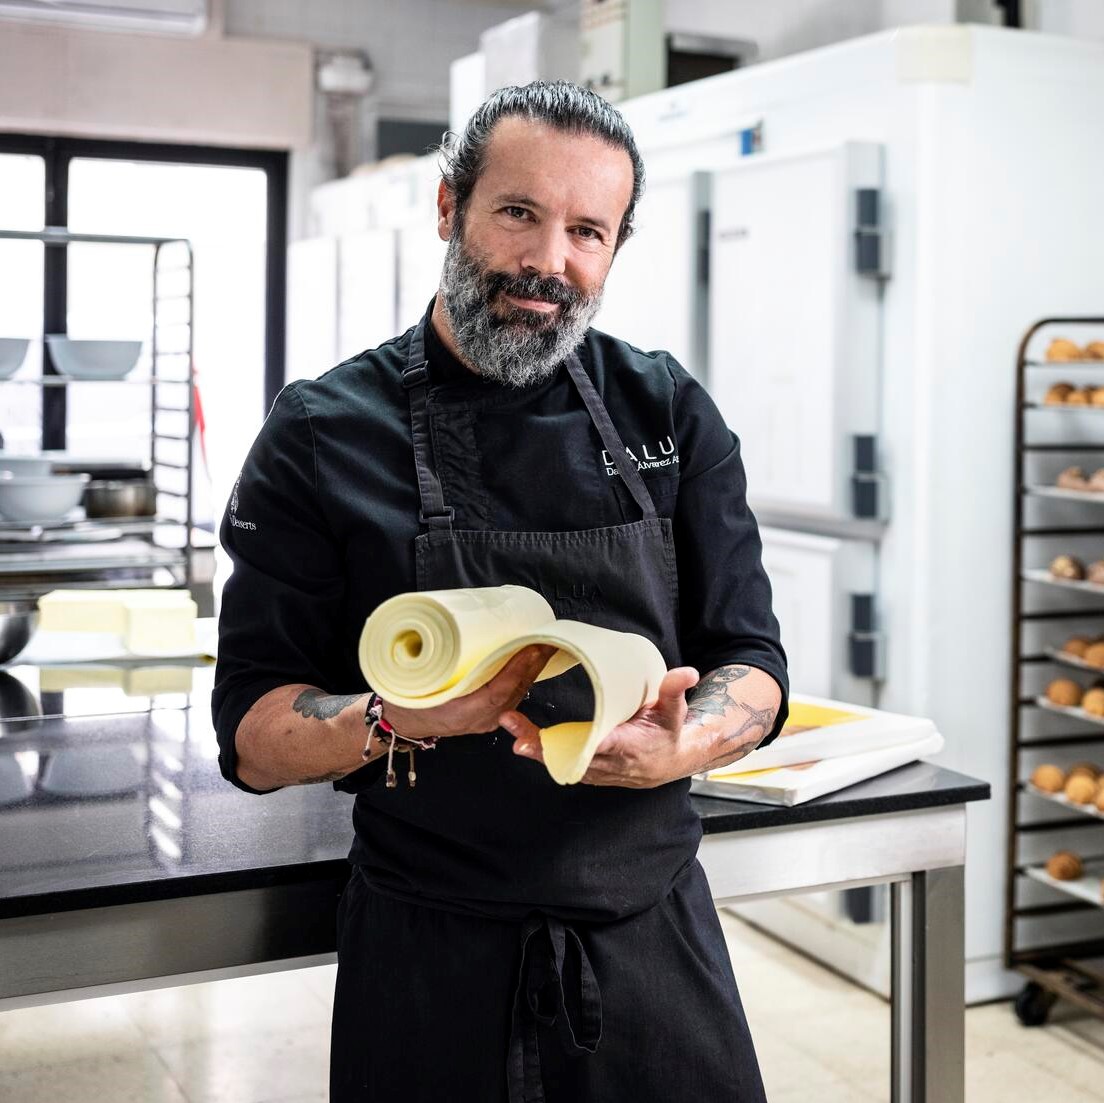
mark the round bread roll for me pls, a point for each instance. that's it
(1065, 692)
(1073, 478)
(1097, 398)
(1048, 777)
(1081, 397)
(1096, 480)
(1100, 799)
(1094, 350)
(1061, 349)
(1057, 394)
(1094, 654)
(1095, 572)
(1081, 789)
(1076, 645)
(1084, 769)
(1064, 865)
(1093, 701)
(1067, 567)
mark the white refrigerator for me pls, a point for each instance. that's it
(846, 246)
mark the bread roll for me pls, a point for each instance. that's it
(1093, 701)
(1080, 397)
(1096, 480)
(1057, 394)
(1064, 865)
(1067, 567)
(1073, 478)
(1048, 777)
(1095, 572)
(1065, 692)
(1084, 769)
(1061, 350)
(1094, 655)
(1094, 350)
(1076, 645)
(1080, 789)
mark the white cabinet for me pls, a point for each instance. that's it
(421, 254)
(367, 291)
(794, 328)
(655, 295)
(311, 307)
(813, 579)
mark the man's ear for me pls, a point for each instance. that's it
(446, 211)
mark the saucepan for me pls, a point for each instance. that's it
(120, 498)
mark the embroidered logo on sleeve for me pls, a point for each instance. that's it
(660, 454)
(235, 520)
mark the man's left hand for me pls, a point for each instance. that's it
(647, 750)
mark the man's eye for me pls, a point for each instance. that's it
(516, 212)
(588, 232)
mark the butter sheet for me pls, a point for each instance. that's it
(421, 649)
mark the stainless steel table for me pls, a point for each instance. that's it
(152, 871)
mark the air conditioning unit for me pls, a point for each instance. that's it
(157, 16)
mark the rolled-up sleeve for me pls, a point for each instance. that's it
(724, 593)
(283, 602)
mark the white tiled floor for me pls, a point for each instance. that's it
(265, 1040)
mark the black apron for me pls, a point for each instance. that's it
(559, 917)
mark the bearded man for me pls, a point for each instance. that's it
(503, 937)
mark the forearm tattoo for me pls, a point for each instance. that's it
(712, 697)
(316, 705)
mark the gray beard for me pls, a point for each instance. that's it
(517, 348)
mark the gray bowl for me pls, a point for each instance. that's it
(93, 359)
(13, 351)
(18, 620)
(30, 498)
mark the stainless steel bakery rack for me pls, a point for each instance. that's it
(112, 552)
(1053, 930)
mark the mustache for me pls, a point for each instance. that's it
(543, 288)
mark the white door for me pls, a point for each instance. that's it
(794, 329)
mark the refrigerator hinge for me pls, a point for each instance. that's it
(704, 227)
(869, 487)
(865, 644)
(871, 237)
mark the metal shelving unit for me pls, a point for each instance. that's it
(1053, 969)
(83, 547)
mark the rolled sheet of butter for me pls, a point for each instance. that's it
(421, 649)
(150, 622)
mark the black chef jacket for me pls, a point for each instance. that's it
(321, 524)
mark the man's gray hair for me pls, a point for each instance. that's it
(559, 104)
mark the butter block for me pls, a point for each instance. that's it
(82, 611)
(149, 622)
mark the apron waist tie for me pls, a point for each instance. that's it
(556, 986)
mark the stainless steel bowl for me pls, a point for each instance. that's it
(17, 622)
(120, 498)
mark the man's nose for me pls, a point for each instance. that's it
(545, 251)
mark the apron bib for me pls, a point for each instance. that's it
(485, 830)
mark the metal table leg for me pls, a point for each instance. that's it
(928, 987)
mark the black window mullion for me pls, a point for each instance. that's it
(55, 293)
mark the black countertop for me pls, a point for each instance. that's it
(109, 795)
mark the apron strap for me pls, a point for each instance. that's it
(433, 512)
(556, 986)
(610, 437)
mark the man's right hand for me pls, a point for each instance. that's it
(479, 710)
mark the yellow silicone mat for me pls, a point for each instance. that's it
(421, 649)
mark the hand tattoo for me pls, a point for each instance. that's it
(763, 719)
(316, 705)
(710, 697)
